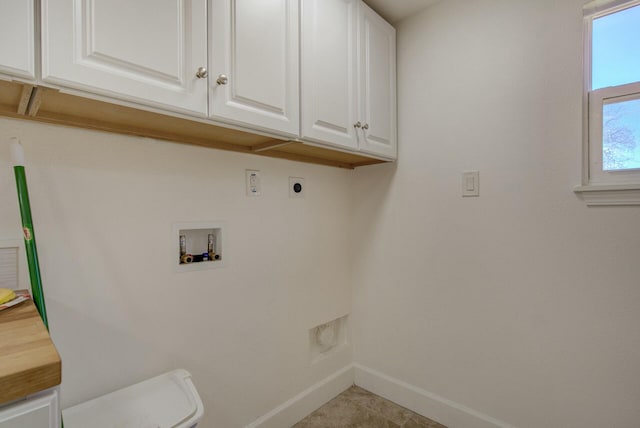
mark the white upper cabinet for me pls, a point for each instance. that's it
(348, 77)
(329, 71)
(146, 51)
(254, 64)
(377, 84)
(320, 71)
(17, 34)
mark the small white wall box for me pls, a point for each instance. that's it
(199, 246)
(328, 338)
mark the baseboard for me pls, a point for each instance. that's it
(296, 408)
(433, 406)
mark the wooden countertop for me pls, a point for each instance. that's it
(29, 362)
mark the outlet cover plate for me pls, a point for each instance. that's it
(254, 184)
(296, 187)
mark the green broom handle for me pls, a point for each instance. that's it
(17, 153)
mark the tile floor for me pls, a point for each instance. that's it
(358, 408)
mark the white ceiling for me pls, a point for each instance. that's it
(395, 10)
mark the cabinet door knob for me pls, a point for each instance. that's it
(357, 125)
(365, 126)
(201, 73)
(222, 79)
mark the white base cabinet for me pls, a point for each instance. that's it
(254, 59)
(17, 34)
(41, 410)
(145, 51)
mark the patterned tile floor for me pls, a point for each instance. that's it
(358, 408)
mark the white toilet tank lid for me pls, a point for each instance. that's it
(166, 401)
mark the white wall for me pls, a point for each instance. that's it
(523, 304)
(103, 208)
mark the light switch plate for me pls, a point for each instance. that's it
(470, 183)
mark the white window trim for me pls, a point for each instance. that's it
(594, 190)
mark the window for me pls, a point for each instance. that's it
(612, 103)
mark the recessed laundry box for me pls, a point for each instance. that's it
(166, 401)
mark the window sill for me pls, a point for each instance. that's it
(609, 194)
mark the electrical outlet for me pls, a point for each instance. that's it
(254, 186)
(296, 187)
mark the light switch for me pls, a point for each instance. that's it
(471, 183)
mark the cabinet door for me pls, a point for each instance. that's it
(377, 84)
(254, 58)
(17, 32)
(38, 411)
(146, 51)
(329, 71)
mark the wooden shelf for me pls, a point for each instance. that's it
(41, 104)
(29, 362)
